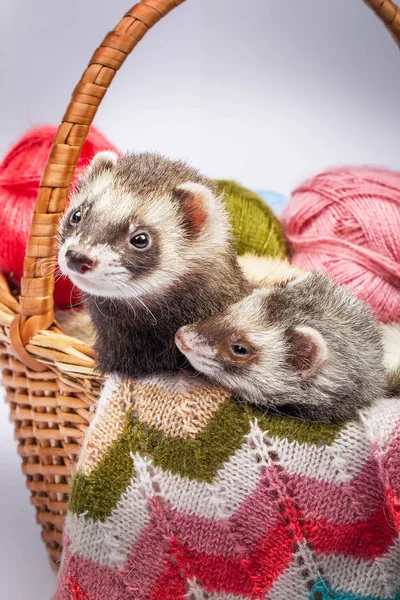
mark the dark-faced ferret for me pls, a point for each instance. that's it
(148, 242)
(306, 346)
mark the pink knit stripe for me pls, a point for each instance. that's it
(234, 537)
(96, 582)
(345, 503)
(390, 464)
(172, 582)
(149, 555)
(348, 502)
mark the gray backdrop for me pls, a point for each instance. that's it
(268, 95)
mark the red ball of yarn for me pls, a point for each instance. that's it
(20, 173)
(346, 222)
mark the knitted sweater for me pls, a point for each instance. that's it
(182, 493)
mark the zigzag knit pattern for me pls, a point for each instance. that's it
(181, 493)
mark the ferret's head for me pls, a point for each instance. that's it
(255, 358)
(137, 223)
(303, 342)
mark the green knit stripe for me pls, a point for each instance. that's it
(97, 494)
(303, 432)
(199, 458)
(255, 227)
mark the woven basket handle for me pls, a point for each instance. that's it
(36, 301)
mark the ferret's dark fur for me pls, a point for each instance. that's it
(314, 350)
(138, 299)
(137, 341)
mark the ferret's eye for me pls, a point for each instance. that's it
(76, 216)
(239, 350)
(140, 241)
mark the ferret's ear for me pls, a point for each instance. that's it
(309, 351)
(102, 161)
(198, 204)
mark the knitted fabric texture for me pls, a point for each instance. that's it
(182, 493)
(256, 229)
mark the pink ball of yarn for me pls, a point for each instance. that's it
(346, 222)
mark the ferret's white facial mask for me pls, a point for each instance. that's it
(107, 278)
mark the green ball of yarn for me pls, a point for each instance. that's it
(255, 227)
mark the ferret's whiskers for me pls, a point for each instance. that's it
(140, 301)
(73, 306)
(49, 265)
(184, 365)
(126, 300)
(100, 311)
(41, 262)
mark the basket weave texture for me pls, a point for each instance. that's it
(50, 381)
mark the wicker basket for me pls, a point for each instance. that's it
(49, 377)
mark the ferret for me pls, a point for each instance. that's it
(148, 242)
(305, 346)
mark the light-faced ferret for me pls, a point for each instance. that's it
(306, 346)
(148, 242)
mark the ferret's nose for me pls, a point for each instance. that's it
(78, 261)
(181, 342)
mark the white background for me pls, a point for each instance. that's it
(262, 91)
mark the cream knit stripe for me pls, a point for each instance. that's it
(337, 463)
(107, 425)
(389, 564)
(110, 388)
(329, 462)
(181, 382)
(379, 577)
(382, 423)
(171, 412)
(93, 540)
(156, 404)
(109, 542)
